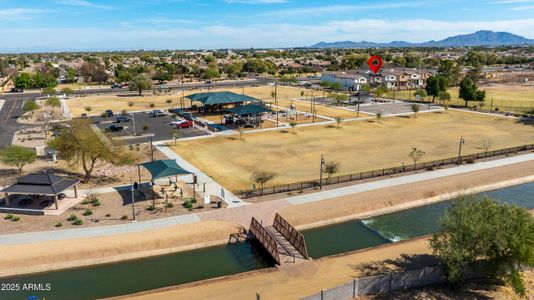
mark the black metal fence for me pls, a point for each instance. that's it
(297, 186)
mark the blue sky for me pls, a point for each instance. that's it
(33, 25)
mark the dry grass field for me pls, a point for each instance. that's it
(505, 97)
(357, 146)
(117, 103)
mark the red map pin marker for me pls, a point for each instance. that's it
(375, 63)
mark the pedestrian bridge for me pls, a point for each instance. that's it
(283, 242)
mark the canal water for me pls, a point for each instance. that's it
(357, 234)
(161, 271)
(140, 275)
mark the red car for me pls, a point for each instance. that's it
(184, 124)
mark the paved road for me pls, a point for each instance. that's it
(9, 112)
(185, 86)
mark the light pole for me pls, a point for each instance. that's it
(462, 141)
(276, 103)
(321, 175)
(133, 124)
(151, 149)
(132, 189)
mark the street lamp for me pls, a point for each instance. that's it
(462, 141)
(133, 187)
(321, 175)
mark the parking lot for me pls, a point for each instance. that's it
(391, 108)
(145, 127)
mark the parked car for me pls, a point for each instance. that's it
(209, 81)
(108, 113)
(17, 90)
(184, 124)
(156, 113)
(116, 86)
(114, 128)
(123, 119)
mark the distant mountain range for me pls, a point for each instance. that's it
(479, 38)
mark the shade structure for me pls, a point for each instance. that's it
(164, 168)
(44, 184)
(213, 98)
(249, 109)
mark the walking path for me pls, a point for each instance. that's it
(212, 187)
(364, 187)
(241, 215)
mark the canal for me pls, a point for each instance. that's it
(184, 267)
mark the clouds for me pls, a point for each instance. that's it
(255, 1)
(259, 35)
(82, 3)
(517, 5)
(11, 14)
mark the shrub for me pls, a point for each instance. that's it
(470, 161)
(72, 218)
(108, 215)
(152, 105)
(85, 201)
(96, 202)
(87, 212)
(78, 222)
(124, 217)
(15, 218)
(188, 204)
(151, 207)
(8, 217)
(169, 204)
(59, 224)
(104, 115)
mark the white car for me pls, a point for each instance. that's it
(176, 122)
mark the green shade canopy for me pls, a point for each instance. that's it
(249, 109)
(220, 98)
(164, 168)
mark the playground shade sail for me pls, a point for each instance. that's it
(249, 109)
(220, 98)
(164, 168)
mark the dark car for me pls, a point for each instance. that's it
(17, 90)
(108, 113)
(123, 119)
(116, 86)
(114, 128)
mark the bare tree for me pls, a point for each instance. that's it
(262, 177)
(331, 168)
(486, 145)
(338, 121)
(416, 155)
(378, 117)
(415, 110)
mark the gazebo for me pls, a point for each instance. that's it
(219, 99)
(40, 184)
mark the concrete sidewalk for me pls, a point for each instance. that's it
(364, 187)
(241, 214)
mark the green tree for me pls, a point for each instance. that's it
(477, 228)
(380, 91)
(80, 145)
(338, 120)
(140, 83)
(338, 98)
(293, 125)
(435, 85)
(421, 93)
(469, 91)
(378, 117)
(17, 156)
(444, 96)
(23, 81)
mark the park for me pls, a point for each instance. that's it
(357, 146)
